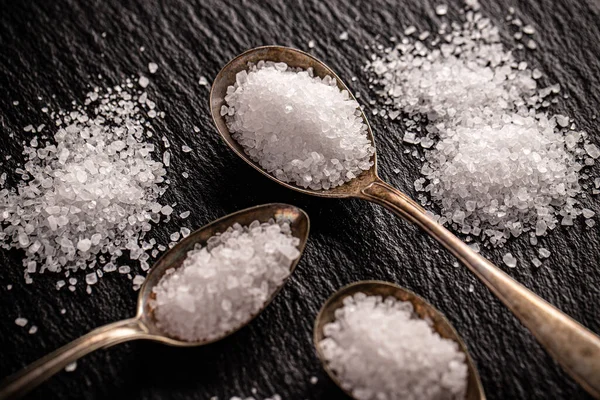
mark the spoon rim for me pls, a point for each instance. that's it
(351, 289)
(144, 314)
(371, 173)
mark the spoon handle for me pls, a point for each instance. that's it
(575, 347)
(31, 376)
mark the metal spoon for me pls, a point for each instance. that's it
(576, 348)
(143, 326)
(422, 308)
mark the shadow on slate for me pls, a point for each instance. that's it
(57, 48)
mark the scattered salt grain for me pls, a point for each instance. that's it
(92, 190)
(536, 262)
(71, 367)
(186, 149)
(143, 81)
(21, 321)
(220, 287)
(152, 67)
(91, 278)
(184, 214)
(544, 253)
(494, 160)
(314, 380)
(441, 9)
(311, 44)
(203, 81)
(33, 330)
(276, 113)
(509, 260)
(343, 35)
(380, 349)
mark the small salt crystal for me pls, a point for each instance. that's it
(91, 278)
(536, 262)
(509, 260)
(343, 35)
(543, 252)
(528, 29)
(314, 380)
(21, 321)
(441, 9)
(203, 81)
(152, 67)
(410, 30)
(184, 214)
(311, 44)
(124, 269)
(71, 367)
(143, 81)
(33, 329)
(186, 149)
(166, 210)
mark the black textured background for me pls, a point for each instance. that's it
(56, 47)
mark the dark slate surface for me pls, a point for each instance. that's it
(56, 48)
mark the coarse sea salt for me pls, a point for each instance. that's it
(300, 128)
(380, 349)
(221, 286)
(496, 165)
(90, 190)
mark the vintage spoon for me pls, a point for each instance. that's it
(143, 326)
(422, 308)
(576, 348)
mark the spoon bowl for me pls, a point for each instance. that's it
(421, 307)
(297, 59)
(574, 346)
(143, 325)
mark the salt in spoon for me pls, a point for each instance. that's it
(422, 308)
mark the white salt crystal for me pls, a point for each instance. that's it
(410, 30)
(536, 262)
(71, 367)
(509, 260)
(21, 321)
(311, 44)
(152, 67)
(174, 236)
(587, 213)
(33, 329)
(343, 35)
(143, 81)
(203, 81)
(277, 115)
(441, 9)
(544, 253)
(220, 287)
(166, 210)
(91, 278)
(592, 150)
(185, 232)
(184, 215)
(528, 29)
(314, 380)
(186, 149)
(380, 349)
(124, 269)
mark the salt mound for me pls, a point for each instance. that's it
(220, 287)
(380, 349)
(300, 128)
(92, 190)
(495, 163)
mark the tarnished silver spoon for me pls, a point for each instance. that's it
(422, 308)
(143, 325)
(575, 347)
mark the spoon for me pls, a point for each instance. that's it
(575, 347)
(143, 325)
(422, 308)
